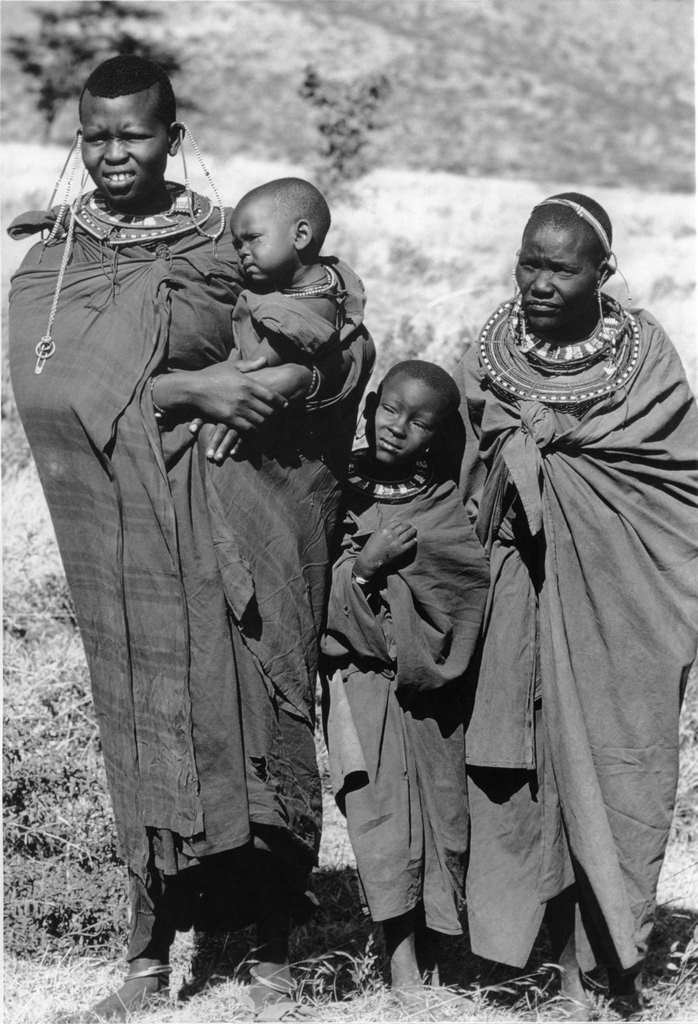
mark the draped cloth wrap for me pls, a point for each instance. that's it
(590, 521)
(274, 514)
(396, 663)
(177, 692)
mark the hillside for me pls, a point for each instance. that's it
(593, 91)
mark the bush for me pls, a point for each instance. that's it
(347, 115)
(72, 40)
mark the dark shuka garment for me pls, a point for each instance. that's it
(274, 513)
(589, 517)
(395, 661)
(198, 751)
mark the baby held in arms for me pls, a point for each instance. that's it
(297, 306)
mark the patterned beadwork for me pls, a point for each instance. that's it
(387, 490)
(118, 229)
(508, 368)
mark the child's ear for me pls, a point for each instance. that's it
(303, 235)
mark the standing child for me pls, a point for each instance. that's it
(407, 598)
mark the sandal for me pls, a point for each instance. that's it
(125, 1001)
(279, 1005)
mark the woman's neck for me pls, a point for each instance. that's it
(572, 333)
(159, 201)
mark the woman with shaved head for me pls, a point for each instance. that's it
(120, 337)
(584, 483)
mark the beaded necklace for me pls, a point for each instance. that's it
(519, 363)
(186, 209)
(388, 491)
(329, 283)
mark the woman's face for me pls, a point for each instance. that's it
(125, 148)
(558, 276)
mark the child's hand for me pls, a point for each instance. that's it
(224, 441)
(384, 547)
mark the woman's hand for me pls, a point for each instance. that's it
(291, 381)
(224, 441)
(386, 546)
(228, 393)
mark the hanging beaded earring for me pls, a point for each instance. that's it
(65, 178)
(187, 133)
(46, 346)
(515, 317)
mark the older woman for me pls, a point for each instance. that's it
(583, 478)
(120, 328)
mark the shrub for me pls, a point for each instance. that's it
(71, 40)
(347, 115)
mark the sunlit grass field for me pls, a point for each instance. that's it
(435, 251)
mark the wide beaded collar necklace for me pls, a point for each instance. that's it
(186, 210)
(521, 365)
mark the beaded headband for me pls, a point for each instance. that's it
(582, 212)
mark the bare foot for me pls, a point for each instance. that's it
(572, 1003)
(562, 1008)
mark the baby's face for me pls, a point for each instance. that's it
(407, 417)
(263, 236)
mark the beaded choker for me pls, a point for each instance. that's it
(186, 210)
(524, 366)
(329, 283)
(387, 491)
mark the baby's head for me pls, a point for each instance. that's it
(404, 417)
(279, 228)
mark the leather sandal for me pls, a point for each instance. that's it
(122, 1003)
(279, 1004)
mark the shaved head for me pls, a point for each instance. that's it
(430, 374)
(299, 199)
(560, 215)
(128, 74)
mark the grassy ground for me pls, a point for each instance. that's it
(435, 251)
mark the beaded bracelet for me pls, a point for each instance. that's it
(158, 412)
(314, 386)
(361, 580)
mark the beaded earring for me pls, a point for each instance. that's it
(516, 313)
(46, 346)
(65, 178)
(187, 132)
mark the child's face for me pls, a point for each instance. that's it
(408, 413)
(263, 236)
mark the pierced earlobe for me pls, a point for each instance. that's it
(178, 139)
